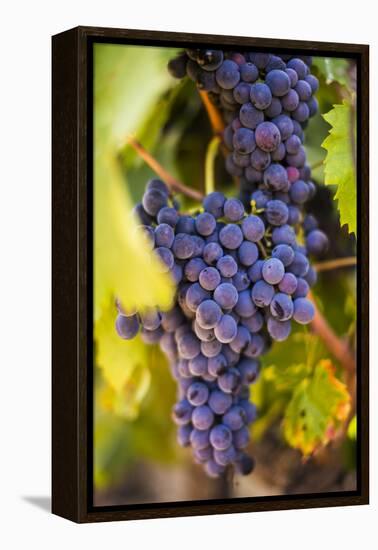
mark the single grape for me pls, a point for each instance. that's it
(217, 365)
(183, 246)
(199, 439)
(202, 417)
(209, 278)
(220, 437)
(262, 293)
(226, 295)
(233, 210)
(225, 330)
(227, 266)
(188, 345)
(235, 418)
(267, 136)
(289, 282)
(227, 75)
(278, 82)
(195, 295)
(248, 369)
(212, 348)
(261, 96)
(316, 242)
(182, 412)
(225, 457)
(208, 314)
(127, 327)
(273, 271)
(164, 235)
(198, 365)
(275, 177)
(231, 236)
(260, 160)
(219, 402)
(304, 311)
(153, 201)
(205, 224)
(276, 212)
(281, 306)
(250, 117)
(197, 394)
(253, 228)
(241, 340)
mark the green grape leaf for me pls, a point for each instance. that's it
(124, 367)
(123, 265)
(339, 163)
(319, 406)
(334, 69)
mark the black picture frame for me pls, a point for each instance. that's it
(72, 273)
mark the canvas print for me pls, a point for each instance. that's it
(225, 261)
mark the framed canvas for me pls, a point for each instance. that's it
(210, 274)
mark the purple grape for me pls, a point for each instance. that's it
(183, 246)
(195, 296)
(225, 330)
(202, 417)
(217, 365)
(262, 293)
(212, 348)
(193, 268)
(226, 295)
(199, 439)
(281, 306)
(316, 242)
(205, 224)
(209, 278)
(241, 340)
(278, 82)
(188, 346)
(228, 75)
(276, 212)
(304, 311)
(219, 402)
(208, 314)
(250, 117)
(197, 366)
(275, 177)
(233, 210)
(248, 253)
(227, 266)
(261, 96)
(231, 236)
(248, 369)
(245, 307)
(220, 437)
(225, 457)
(127, 327)
(235, 418)
(260, 160)
(289, 282)
(182, 412)
(253, 228)
(183, 435)
(273, 271)
(229, 381)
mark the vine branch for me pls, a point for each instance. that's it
(172, 182)
(214, 115)
(339, 349)
(335, 264)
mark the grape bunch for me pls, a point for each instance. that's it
(267, 101)
(242, 279)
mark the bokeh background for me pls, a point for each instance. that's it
(136, 457)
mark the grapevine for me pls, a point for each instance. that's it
(240, 264)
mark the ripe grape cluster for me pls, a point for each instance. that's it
(267, 101)
(242, 278)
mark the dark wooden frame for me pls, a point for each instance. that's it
(72, 446)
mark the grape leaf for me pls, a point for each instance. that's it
(339, 163)
(123, 364)
(320, 404)
(123, 266)
(334, 69)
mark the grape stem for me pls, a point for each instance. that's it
(211, 154)
(215, 118)
(335, 264)
(172, 182)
